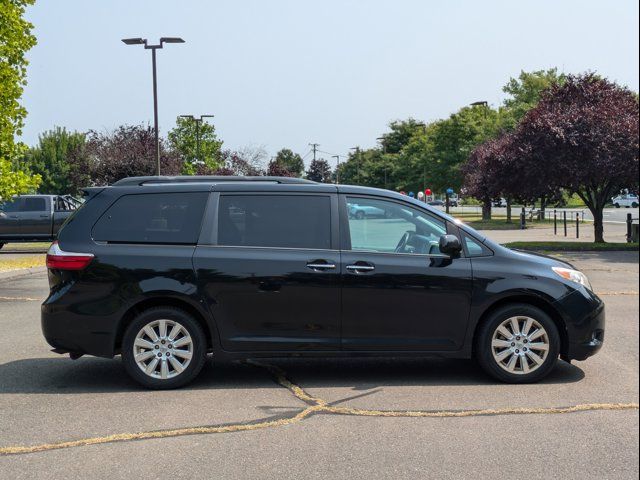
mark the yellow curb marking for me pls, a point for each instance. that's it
(26, 299)
(318, 406)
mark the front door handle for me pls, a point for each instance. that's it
(321, 265)
(361, 268)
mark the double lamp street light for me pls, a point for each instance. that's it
(153, 48)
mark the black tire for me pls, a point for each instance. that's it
(617, 205)
(199, 343)
(634, 205)
(359, 215)
(484, 349)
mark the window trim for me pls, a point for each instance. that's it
(345, 238)
(209, 234)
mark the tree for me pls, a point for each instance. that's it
(56, 160)
(319, 171)
(245, 162)
(583, 135)
(274, 169)
(197, 144)
(525, 92)
(128, 151)
(15, 40)
(292, 162)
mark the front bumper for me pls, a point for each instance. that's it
(584, 317)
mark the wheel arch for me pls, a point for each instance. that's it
(164, 301)
(532, 300)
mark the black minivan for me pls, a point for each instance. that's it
(165, 270)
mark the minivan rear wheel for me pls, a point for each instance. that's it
(164, 348)
(518, 343)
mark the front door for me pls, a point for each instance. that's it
(399, 291)
(271, 275)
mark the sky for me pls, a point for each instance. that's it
(283, 73)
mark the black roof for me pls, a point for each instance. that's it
(134, 181)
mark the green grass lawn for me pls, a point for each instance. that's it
(573, 246)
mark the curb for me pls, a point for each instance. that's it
(22, 272)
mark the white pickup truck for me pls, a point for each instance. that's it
(625, 200)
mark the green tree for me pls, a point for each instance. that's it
(197, 144)
(319, 171)
(15, 40)
(58, 160)
(525, 91)
(290, 161)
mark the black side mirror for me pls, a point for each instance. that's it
(450, 245)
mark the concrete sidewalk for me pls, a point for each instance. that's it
(613, 232)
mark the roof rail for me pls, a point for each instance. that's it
(138, 181)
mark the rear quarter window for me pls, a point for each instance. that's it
(164, 218)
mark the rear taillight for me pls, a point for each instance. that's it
(60, 260)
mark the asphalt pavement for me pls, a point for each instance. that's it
(370, 418)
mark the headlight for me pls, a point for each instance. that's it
(573, 276)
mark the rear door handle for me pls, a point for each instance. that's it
(319, 265)
(360, 268)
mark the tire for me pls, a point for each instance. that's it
(506, 347)
(617, 205)
(193, 348)
(634, 205)
(359, 215)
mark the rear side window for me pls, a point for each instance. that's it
(288, 221)
(25, 204)
(168, 218)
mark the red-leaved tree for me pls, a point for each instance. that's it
(583, 137)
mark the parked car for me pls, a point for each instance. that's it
(362, 211)
(164, 271)
(436, 203)
(501, 202)
(625, 200)
(34, 218)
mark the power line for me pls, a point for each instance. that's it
(314, 146)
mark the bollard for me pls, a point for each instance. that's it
(523, 220)
(555, 222)
(577, 224)
(629, 220)
(564, 220)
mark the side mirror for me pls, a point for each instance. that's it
(450, 245)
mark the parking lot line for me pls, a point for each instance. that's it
(315, 405)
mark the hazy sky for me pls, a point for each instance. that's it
(285, 73)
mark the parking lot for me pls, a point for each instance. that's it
(365, 418)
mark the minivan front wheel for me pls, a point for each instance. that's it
(518, 344)
(163, 348)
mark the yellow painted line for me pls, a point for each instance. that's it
(631, 292)
(25, 299)
(318, 405)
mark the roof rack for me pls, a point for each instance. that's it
(138, 181)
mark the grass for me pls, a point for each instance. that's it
(26, 246)
(24, 261)
(573, 246)
(500, 223)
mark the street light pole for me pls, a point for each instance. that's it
(153, 48)
(198, 121)
(384, 151)
(337, 157)
(358, 158)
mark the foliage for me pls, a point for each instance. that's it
(525, 91)
(292, 162)
(15, 40)
(582, 137)
(57, 160)
(128, 151)
(319, 171)
(197, 144)
(275, 169)
(244, 163)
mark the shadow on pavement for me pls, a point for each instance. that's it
(97, 375)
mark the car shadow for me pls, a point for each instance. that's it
(97, 375)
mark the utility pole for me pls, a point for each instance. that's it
(314, 146)
(337, 157)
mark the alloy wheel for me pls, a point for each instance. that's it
(520, 345)
(163, 349)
